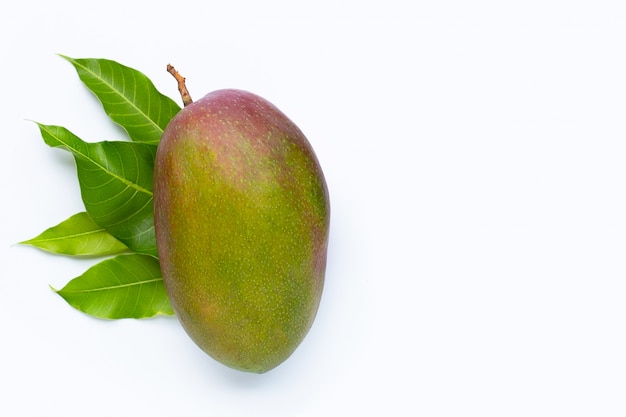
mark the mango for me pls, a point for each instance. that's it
(242, 218)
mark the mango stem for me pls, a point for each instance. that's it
(182, 88)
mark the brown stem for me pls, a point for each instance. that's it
(182, 88)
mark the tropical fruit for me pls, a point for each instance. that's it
(242, 220)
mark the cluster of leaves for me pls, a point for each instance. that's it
(115, 180)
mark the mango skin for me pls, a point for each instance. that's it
(242, 218)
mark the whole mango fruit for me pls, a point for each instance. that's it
(242, 217)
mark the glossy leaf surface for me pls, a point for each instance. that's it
(127, 286)
(129, 98)
(116, 185)
(79, 235)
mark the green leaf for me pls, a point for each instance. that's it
(128, 97)
(79, 235)
(127, 286)
(116, 185)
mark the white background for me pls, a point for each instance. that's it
(476, 158)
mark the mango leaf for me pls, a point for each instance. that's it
(128, 97)
(116, 185)
(79, 235)
(127, 286)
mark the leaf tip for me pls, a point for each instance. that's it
(23, 243)
(32, 121)
(33, 243)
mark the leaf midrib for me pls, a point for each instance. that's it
(70, 236)
(114, 287)
(119, 93)
(97, 164)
